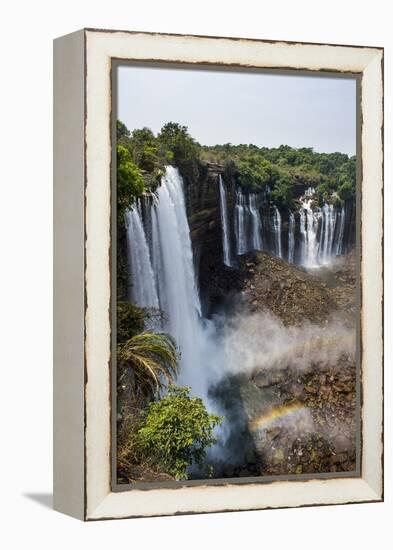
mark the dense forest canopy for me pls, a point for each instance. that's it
(142, 156)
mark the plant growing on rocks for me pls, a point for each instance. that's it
(177, 431)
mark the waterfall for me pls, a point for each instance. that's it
(277, 232)
(309, 225)
(339, 241)
(174, 271)
(226, 244)
(256, 225)
(327, 233)
(312, 219)
(291, 237)
(240, 224)
(143, 288)
(248, 224)
(303, 236)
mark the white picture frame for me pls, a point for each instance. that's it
(82, 257)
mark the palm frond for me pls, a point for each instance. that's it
(150, 359)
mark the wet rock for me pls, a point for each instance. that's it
(337, 459)
(269, 378)
(342, 443)
(245, 472)
(273, 433)
(278, 457)
(296, 389)
(229, 470)
(251, 457)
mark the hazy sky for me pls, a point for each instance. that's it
(235, 107)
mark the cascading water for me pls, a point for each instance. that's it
(327, 233)
(174, 271)
(340, 236)
(291, 237)
(320, 239)
(248, 225)
(309, 229)
(256, 225)
(143, 288)
(240, 224)
(226, 243)
(277, 231)
(303, 236)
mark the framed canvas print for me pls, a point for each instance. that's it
(218, 274)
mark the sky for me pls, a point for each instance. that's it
(242, 107)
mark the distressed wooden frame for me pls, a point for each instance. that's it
(82, 292)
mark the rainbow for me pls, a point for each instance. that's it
(280, 412)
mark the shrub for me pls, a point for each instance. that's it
(177, 431)
(130, 321)
(130, 184)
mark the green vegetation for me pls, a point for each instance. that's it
(130, 184)
(130, 321)
(254, 168)
(147, 362)
(156, 436)
(332, 174)
(176, 431)
(142, 157)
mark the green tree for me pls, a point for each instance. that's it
(121, 130)
(175, 138)
(282, 192)
(143, 146)
(130, 183)
(254, 172)
(177, 431)
(346, 190)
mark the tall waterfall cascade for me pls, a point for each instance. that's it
(241, 223)
(277, 232)
(309, 225)
(256, 224)
(327, 233)
(248, 224)
(142, 289)
(291, 237)
(340, 238)
(170, 273)
(226, 241)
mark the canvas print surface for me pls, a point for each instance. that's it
(237, 306)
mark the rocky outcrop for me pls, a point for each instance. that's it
(204, 218)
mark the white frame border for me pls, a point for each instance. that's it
(100, 48)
